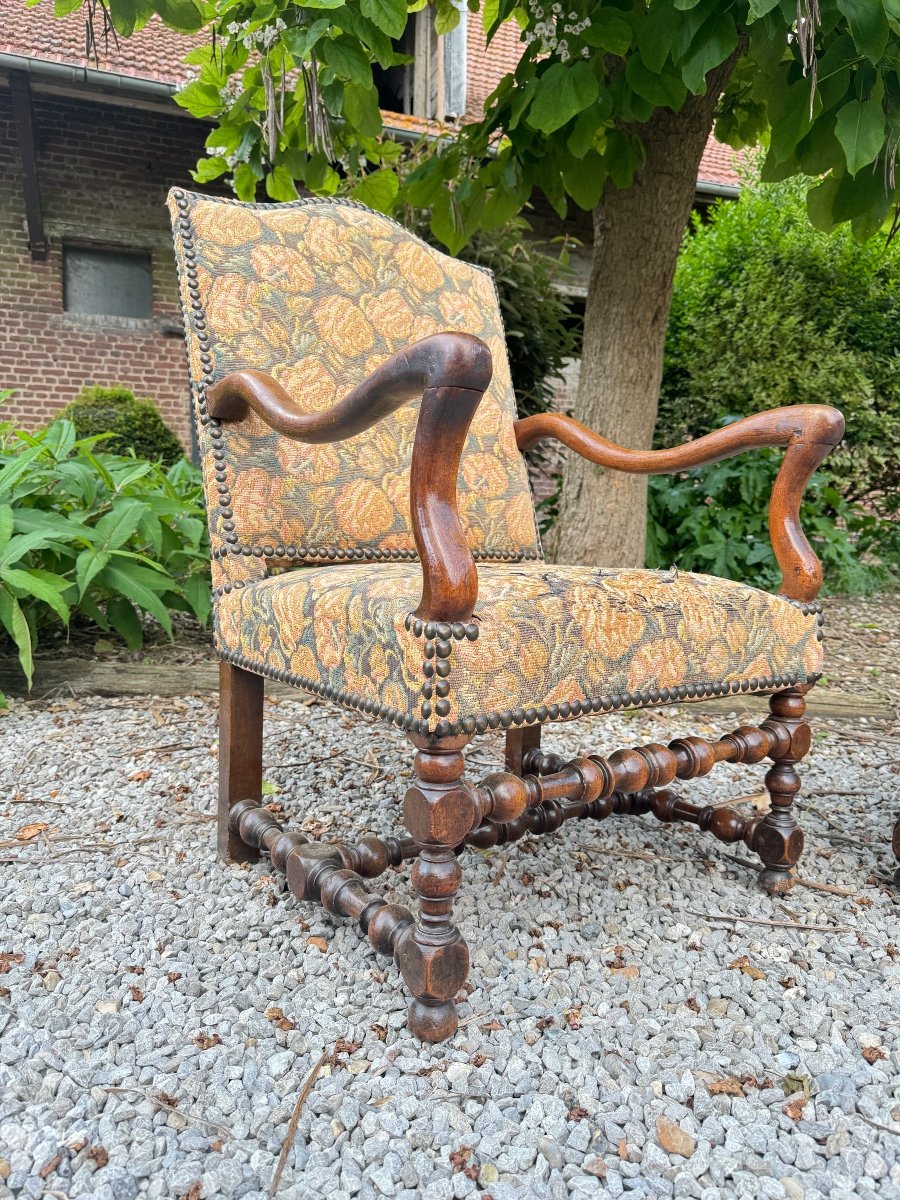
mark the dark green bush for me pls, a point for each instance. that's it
(767, 311)
(715, 521)
(135, 423)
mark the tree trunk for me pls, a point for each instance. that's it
(637, 235)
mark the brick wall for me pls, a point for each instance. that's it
(104, 172)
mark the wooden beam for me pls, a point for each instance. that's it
(23, 118)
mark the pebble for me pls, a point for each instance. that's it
(219, 948)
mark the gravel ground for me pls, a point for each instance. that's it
(160, 1012)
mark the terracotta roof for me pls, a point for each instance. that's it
(719, 164)
(486, 65)
(157, 53)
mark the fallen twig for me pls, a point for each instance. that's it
(832, 888)
(777, 924)
(877, 1124)
(168, 746)
(295, 1121)
(155, 1099)
(644, 856)
(834, 792)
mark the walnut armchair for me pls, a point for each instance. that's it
(356, 419)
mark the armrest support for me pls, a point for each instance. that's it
(807, 431)
(450, 372)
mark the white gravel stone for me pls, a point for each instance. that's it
(166, 967)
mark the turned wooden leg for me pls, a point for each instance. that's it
(778, 839)
(440, 810)
(240, 753)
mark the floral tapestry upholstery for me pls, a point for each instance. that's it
(545, 642)
(319, 293)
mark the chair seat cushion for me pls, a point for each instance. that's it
(545, 642)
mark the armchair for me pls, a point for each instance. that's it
(356, 419)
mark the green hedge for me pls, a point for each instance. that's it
(135, 424)
(767, 311)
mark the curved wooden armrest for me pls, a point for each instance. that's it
(450, 372)
(807, 431)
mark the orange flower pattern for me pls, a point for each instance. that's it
(546, 635)
(319, 294)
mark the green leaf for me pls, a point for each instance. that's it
(20, 545)
(378, 189)
(388, 15)
(208, 169)
(87, 565)
(563, 92)
(138, 585)
(656, 36)
(585, 180)
(446, 223)
(245, 182)
(126, 622)
(861, 128)
(608, 32)
(6, 524)
(620, 157)
(347, 58)
(868, 26)
(197, 593)
(183, 15)
(200, 99)
(13, 620)
(446, 18)
(280, 184)
(34, 584)
(715, 40)
(759, 8)
(361, 110)
(116, 527)
(663, 89)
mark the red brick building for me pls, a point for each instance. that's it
(87, 282)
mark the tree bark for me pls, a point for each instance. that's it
(637, 236)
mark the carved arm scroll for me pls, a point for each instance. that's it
(450, 372)
(807, 431)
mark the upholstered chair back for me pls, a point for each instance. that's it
(318, 293)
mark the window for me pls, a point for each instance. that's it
(433, 85)
(109, 283)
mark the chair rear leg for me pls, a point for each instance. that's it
(519, 741)
(240, 753)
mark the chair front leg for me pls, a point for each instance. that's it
(778, 839)
(440, 810)
(240, 753)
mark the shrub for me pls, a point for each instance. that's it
(715, 520)
(135, 424)
(766, 312)
(769, 311)
(96, 537)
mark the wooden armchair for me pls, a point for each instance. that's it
(345, 431)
